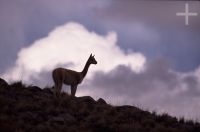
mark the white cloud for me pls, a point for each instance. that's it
(156, 87)
(71, 44)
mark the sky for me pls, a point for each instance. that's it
(147, 56)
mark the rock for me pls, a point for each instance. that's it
(127, 108)
(86, 99)
(101, 101)
(40, 128)
(63, 118)
(68, 118)
(35, 89)
(28, 116)
(3, 83)
(57, 119)
(48, 90)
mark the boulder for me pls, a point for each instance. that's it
(101, 101)
(86, 99)
(63, 118)
(68, 118)
(57, 119)
(35, 89)
(3, 83)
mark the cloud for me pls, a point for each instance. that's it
(155, 88)
(23, 22)
(71, 45)
(176, 41)
(121, 77)
(148, 11)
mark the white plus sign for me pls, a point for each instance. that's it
(186, 14)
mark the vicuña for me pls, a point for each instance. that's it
(70, 77)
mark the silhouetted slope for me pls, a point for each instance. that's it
(29, 108)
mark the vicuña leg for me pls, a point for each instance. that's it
(73, 90)
(57, 89)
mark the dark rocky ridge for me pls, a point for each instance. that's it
(30, 108)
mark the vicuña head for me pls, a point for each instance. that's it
(70, 77)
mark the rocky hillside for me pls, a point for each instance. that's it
(32, 109)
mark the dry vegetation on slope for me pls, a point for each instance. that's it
(30, 108)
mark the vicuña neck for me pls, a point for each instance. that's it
(85, 70)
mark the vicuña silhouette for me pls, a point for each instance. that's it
(70, 77)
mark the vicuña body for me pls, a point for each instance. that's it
(70, 77)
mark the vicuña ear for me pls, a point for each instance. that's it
(91, 55)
